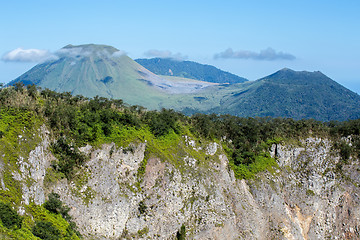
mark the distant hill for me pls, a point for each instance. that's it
(287, 93)
(188, 69)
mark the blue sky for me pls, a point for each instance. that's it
(249, 38)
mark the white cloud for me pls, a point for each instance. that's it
(164, 54)
(72, 52)
(27, 55)
(78, 52)
(119, 53)
(39, 55)
(268, 54)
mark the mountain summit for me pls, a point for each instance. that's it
(289, 76)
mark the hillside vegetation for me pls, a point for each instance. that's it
(75, 121)
(98, 120)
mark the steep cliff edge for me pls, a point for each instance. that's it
(123, 192)
(73, 168)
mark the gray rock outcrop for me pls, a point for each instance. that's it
(306, 197)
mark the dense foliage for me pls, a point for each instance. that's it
(46, 230)
(68, 156)
(77, 120)
(55, 205)
(9, 217)
(188, 69)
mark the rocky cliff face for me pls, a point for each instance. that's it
(119, 193)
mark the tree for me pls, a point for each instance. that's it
(19, 86)
(54, 203)
(181, 234)
(9, 217)
(32, 91)
(46, 230)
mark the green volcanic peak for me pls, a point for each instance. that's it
(286, 93)
(295, 94)
(92, 70)
(289, 76)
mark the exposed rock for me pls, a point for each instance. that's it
(33, 169)
(304, 199)
(211, 148)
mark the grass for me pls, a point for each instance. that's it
(263, 161)
(19, 128)
(37, 213)
(260, 164)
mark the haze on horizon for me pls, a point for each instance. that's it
(250, 39)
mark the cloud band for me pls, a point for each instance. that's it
(39, 55)
(268, 54)
(164, 54)
(26, 55)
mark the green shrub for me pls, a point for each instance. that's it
(46, 230)
(161, 123)
(55, 205)
(143, 231)
(142, 207)
(9, 217)
(345, 150)
(181, 234)
(310, 192)
(141, 170)
(68, 157)
(247, 171)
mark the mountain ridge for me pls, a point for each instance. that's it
(189, 69)
(287, 75)
(105, 71)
